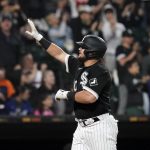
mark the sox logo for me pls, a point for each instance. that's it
(83, 82)
(84, 79)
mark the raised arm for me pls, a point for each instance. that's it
(52, 49)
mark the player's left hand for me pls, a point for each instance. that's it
(33, 33)
(61, 95)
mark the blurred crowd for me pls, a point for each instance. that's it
(29, 77)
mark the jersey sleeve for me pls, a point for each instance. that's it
(96, 82)
(72, 64)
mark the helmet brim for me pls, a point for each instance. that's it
(81, 44)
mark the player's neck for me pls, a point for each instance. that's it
(90, 62)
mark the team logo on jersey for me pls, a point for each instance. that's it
(84, 79)
(93, 82)
(75, 86)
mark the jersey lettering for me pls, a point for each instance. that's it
(84, 79)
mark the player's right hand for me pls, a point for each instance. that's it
(33, 33)
(61, 95)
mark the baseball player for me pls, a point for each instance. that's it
(97, 129)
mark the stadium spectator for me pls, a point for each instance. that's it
(135, 84)
(6, 87)
(132, 15)
(7, 6)
(146, 62)
(59, 32)
(49, 86)
(45, 105)
(119, 6)
(48, 82)
(112, 32)
(62, 7)
(13, 7)
(146, 67)
(10, 43)
(27, 72)
(124, 54)
(81, 20)
(96, 5)
(19, 105)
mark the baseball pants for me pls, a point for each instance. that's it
(100, 135)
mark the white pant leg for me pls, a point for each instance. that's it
(79, 139)
(79, 146)
(102, 135)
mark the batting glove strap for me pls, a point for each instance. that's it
(45, 43)
(71, 95)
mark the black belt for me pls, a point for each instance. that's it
(89, 121)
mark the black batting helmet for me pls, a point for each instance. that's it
(95, 47)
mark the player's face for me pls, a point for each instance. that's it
(81, 55)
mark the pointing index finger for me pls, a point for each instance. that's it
(31, 24)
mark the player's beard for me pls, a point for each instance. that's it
(82, 59)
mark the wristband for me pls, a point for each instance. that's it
(45, 43)
(71, 96)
